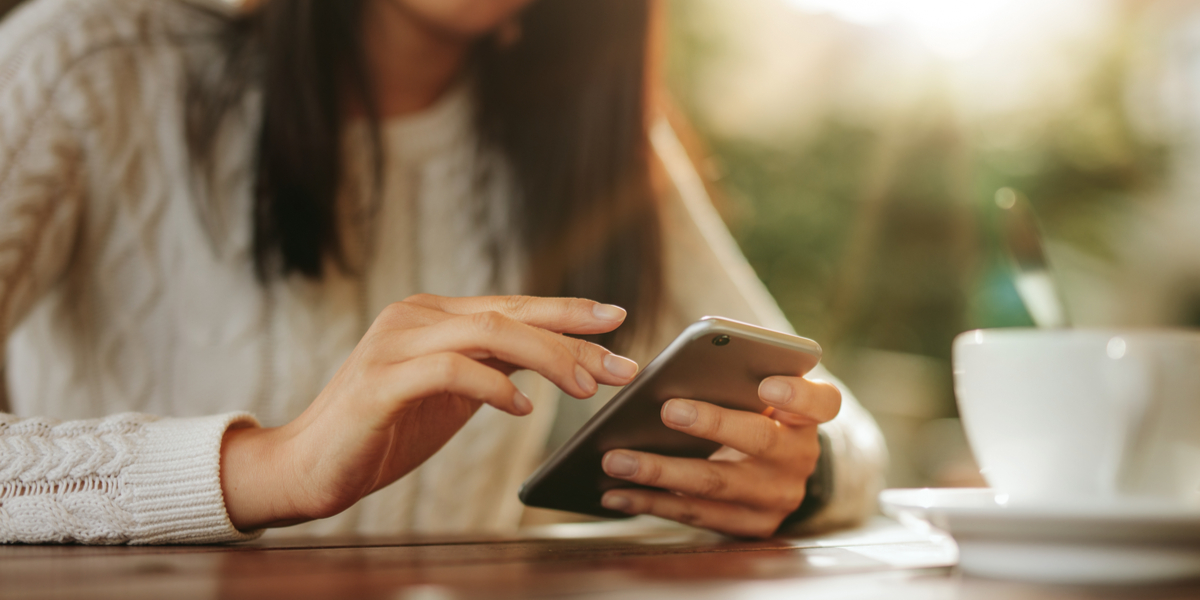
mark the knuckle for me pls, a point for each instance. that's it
(564, 351)
(792, 498)
(422, 299)
(712, 483)
(809, 454)
(765, 439)
(581, 350)
(446, 366)
(391, 311)
(688, 515)
(786, 496)
(488, 322)
(710, 422)
(580, 308)
(517, 306)
(650, 471)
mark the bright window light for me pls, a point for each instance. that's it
(954, 29)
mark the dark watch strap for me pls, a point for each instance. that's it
(819, 488)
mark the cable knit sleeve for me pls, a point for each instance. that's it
(707, 275)
(127, 478)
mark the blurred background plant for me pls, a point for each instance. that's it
(856, 147)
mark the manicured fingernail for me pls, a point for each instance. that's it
(521, 403)
(620, 464)
(584, 379)
(620, 366)
(608, 312)
(679, 413)
(775, 391)
(615, 502)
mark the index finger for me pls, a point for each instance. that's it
(560, 315)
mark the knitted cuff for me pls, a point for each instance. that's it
(173, 490)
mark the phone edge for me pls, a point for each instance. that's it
(706, 325)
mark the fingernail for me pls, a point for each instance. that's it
(775, 391)
(521, 403)
(620, 366)
(620, 464)
(584, 379)
(608, 312)
(679, 413)
(615, 502)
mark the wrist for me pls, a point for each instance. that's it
(255, 497)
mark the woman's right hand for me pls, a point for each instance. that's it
(422, 369)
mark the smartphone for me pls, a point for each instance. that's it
(714, 360)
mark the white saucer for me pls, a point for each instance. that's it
(1102, 542)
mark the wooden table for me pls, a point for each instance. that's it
(618, 560)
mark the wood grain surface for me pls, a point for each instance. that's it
(600, 560)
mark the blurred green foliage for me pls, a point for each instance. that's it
(878, 235)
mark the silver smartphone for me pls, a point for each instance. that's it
(714, 360)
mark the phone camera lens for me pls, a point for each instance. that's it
(720, 340)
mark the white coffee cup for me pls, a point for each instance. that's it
(1083, 415)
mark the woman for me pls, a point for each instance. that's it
(204, 215)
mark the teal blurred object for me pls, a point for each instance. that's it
(1034, 279)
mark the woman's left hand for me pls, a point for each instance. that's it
(748, 486)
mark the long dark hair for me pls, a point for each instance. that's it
(565, 105)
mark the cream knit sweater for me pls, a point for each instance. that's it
(126, 290)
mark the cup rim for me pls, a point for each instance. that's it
(1007, 334)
